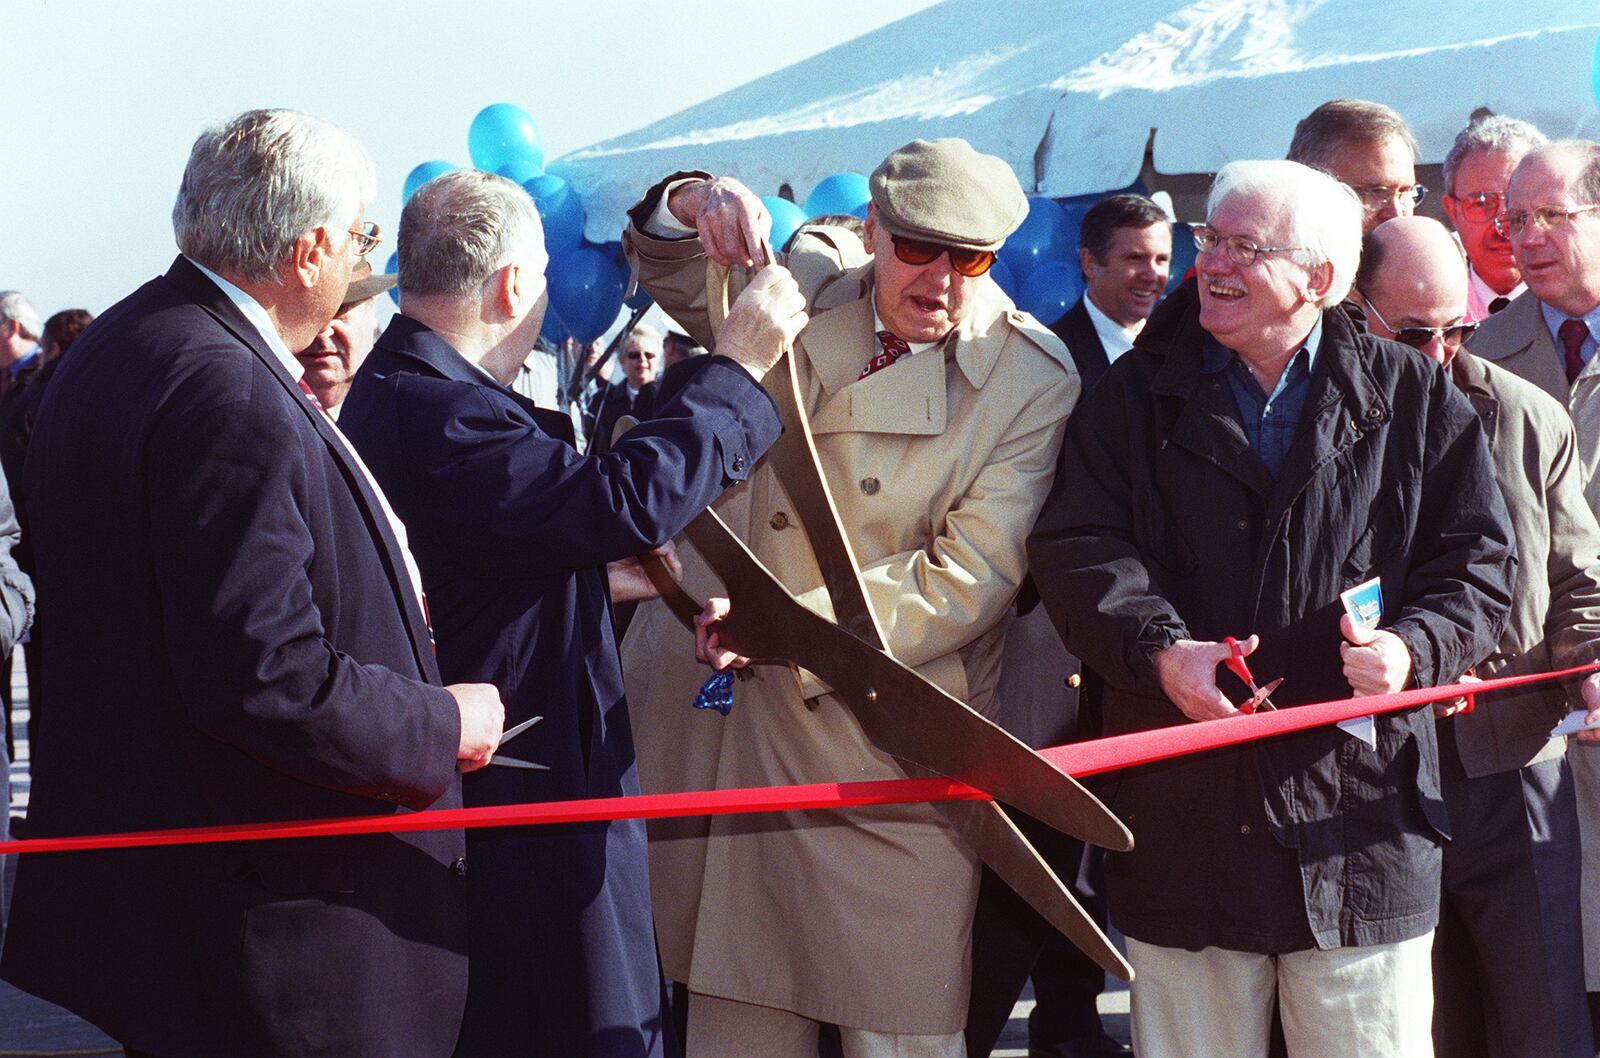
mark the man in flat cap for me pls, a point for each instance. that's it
(337, 353)
(938, 411)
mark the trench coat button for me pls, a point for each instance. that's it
(1245, 829)
(739, 463)
(779, 521)
(1074, 680)
(459, 868)
(869, 486)
(1374, 414)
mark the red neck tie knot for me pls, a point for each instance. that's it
(893, 348)
(1572, 333)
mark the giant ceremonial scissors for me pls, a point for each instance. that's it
(901, 712)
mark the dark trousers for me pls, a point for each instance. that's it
(1508, 954)
(1011, 942)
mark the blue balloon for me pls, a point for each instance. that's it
(839, 193)
(786, 217)
(552, 330)
(518, 170)
(1052, 289)
(392, 267)
(1183, 254)
(586, 292)
(421, 175)
(1594, 71)
(501, 134)
(561, 211)
(1001, 274)
(1044, 235)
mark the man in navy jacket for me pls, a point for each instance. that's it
(237, 638)
(513, 530)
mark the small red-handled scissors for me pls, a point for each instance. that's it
(1240, 668)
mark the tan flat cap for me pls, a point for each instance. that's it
(367, 286)
(946, 192)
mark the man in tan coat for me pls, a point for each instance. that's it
(1509, 911)
(938, 411)
(1548, 336)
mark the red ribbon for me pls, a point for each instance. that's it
(1078, 759)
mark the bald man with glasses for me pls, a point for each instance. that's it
(1510, 907)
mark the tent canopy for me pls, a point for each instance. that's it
(1070, 94)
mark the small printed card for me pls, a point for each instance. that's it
(1572, 723)
(1364, 604)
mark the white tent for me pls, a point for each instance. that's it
(1071, 92)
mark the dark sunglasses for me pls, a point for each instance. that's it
(1417, 337)
(970, 263)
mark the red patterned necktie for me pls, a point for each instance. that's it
(311, 396)
(1572, 333)
(893, 349)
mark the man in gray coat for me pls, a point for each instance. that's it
(1511, 893)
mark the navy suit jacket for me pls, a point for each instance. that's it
(1083, 342)
(233, 639)
(513, 528)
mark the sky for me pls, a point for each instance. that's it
(100, 101)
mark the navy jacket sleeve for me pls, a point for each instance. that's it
(233, 551)
(506, 499)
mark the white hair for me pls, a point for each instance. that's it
(15, 306)
(1324, 215)
(463, 227)
(258, 182)
(646, 336)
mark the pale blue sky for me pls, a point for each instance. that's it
(99, 101)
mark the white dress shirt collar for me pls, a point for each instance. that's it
(1116, 338)
(252, 310)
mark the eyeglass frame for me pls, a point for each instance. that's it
(899, 241)
(368, 237)
(1477, 202)
(1235, 245)
(1433, 332)
(1416, 193)
(1503, 220)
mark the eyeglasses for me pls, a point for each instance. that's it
(1378, 196)
(1241, 251)
(1479, 208)
(970, 263)
(1512, 221)
(1417, 337)
(638, 356)
(366, 237)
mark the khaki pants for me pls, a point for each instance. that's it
(1366, 1002)
(725, 1028)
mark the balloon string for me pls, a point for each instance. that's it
(1077, 759)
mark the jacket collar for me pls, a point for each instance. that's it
(1471, 377)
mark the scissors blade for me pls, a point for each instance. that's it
(512, 732)
(1260, 699)
(513, 762)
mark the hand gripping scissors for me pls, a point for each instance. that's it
(1240, 668)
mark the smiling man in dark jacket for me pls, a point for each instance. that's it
(1255, 455)
(513, 530)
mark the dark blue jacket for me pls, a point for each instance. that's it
(234, 639)
(513, 528)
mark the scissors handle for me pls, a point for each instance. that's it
(1236, 663)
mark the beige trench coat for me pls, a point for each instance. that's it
(1517, 339)
(939, 467)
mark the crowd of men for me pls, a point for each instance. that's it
(324, 571)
